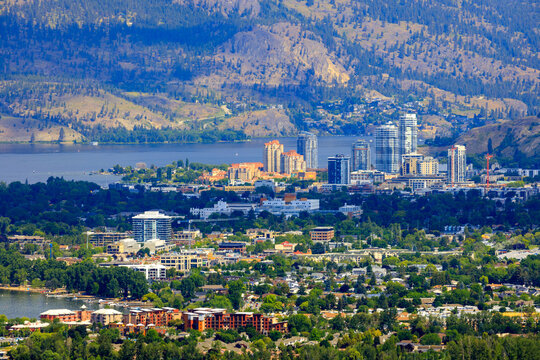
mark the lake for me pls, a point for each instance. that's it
(26, 304)
(37, 162)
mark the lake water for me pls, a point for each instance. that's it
(37, 162)
(26, 304)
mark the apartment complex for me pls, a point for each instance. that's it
(428, 166)
(244, 172)
(65, 315)
(272, 156)
(205, 318)
(292, 162)
(416, 164)
(152, 316)
(307, 145)
(152, 225)
(106, 316)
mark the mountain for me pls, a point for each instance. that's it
(512, 142)
(206, 70)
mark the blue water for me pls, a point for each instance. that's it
(26, 304)
(37, 162)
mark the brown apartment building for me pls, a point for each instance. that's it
(216, 319)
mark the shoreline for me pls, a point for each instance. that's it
(68, 143)
(25, 289)
(78, 296)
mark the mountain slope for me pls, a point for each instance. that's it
(187, 59)
(511, 141)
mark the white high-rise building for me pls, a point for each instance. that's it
(307, 145)
(408, 134)
(457, 164)
(152, 225)
(387, 149)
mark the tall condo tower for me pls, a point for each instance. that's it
(361, 156)
(457, 164)
(339, 170)
(272, 156)
(151, 225)
(387, 148)
(408, 134)
(307, 145)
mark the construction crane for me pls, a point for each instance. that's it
(189, 221)
(488, 156)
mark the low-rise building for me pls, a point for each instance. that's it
(244, 172)
(105, 316)
(351, 210)
(152, 316)
(150, 271)
(65, 315)
(223, 208)
(322, 234)
(102, 239)
(205, 318)
(186, 236)
(294, 207)
(129, 246)
(285, 247)
(232, 246)
(183, 262)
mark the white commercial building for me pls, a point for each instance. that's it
(151, 271)
(222, 207)
(295, 207)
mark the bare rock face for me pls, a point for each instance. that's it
(261, 123)
(279, 54)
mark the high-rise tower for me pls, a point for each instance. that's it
(386, 148)
(307, 145)
(272, 156)
(408, 134)
(457, 164)
(151, 225)
(361, 156)
(339, 170)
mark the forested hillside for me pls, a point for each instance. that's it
(177, 71)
